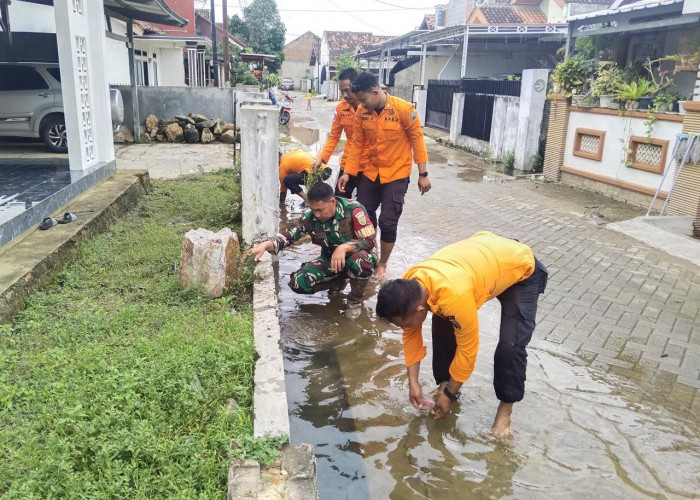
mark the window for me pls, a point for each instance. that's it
(21, 78)
(55, 72)
(145, 72)
(647, 154)
(589, 143)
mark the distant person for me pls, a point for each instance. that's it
(308, 100)
(294, 167)
(390, 130)
(346, 236)
(343, 121)
(453, 283)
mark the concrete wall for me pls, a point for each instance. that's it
(295, 70)
(166, 102)
(453, 68)
(32, 18)
(406, 79)
(456, 12)
(502, 59)
(504, 133)
(118, 57)
(617, 130)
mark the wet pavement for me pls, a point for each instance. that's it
(611, 404)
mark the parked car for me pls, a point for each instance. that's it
(287, 84)
(31, 104)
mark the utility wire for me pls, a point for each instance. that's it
(358, 18)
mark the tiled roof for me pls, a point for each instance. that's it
(512, 14)
(428, 22)
(144, 28)
(351, 41)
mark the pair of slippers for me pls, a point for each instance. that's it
(49, 222)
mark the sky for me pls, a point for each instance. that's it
(381, 17)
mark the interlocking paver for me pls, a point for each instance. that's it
(611, 300)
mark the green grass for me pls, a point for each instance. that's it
(114, 382)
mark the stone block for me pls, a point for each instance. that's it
(174, 133)
(209, 261)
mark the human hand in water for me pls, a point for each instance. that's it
(418, 399)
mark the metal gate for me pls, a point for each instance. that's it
(477, 116)
(439, 102)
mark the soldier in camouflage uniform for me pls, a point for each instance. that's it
(347, 239)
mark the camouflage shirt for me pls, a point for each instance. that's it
(350, 225)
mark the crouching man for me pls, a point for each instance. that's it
(347, 239)
(453, 284)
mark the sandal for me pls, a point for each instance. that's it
(67, 218)
(47, 223)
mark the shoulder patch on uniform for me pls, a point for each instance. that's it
(454, 322)
(361, 218)
(413, 114)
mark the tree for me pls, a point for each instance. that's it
(345, 61)
(262, 29)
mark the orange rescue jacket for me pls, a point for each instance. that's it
(343, 121)
(394, 140)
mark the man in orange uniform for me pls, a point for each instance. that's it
(343, 121)
(293, 169)
(453, 284)
(389, 128)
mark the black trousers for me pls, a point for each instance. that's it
(390, 196)
(293, 182)
(518, 312)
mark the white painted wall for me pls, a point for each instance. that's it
(619, 128)
(453, 67)
(406, 79)
(171, 67)
(510, 58)
(32, 18)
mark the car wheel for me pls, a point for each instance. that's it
(53, 133)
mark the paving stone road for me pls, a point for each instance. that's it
(616, 303)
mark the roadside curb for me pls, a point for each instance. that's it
(31, 260)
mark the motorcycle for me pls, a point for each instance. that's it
(286, 109)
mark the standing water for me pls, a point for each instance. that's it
(579, 432)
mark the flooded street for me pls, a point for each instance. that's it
(623, 429)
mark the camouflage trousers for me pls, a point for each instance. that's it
(316, 275)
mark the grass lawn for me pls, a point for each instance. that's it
(114, 382)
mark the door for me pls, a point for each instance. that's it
(23, 94)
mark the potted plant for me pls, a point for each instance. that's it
(571, 76)
(589, 101)
(667, 102)
(632, 92)
(659, 80)
(605, 85)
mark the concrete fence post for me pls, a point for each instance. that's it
(421, 97)
(259, 170)
(456, 117)
(556, 137)
(533, 92)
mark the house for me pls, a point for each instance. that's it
(335, 43)
(627, 154)
(82, 50)
(299, 58)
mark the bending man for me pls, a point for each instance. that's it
(389, 129)
(346, 237)
(453, 284)
(294, 167)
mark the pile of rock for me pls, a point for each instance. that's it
(189, 128)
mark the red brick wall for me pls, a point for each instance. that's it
(185, 9)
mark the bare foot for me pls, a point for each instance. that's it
(501, 424)
(380, 272)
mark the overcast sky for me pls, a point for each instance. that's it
(381, 17)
